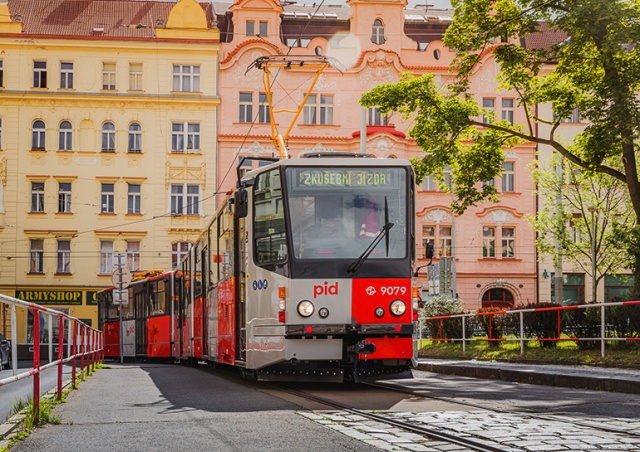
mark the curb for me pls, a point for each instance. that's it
(576, 381)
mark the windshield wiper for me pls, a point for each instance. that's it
(384, 232)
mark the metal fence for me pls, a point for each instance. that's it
(562, 330)
(84, 346)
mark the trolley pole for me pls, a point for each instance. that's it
(120, 305)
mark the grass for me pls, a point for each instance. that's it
(623, 355)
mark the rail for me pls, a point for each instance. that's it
(83, 343)
(493, 335)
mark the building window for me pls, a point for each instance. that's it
(185, 138)
(264, 28)
(38, 135)
(574, 117)
(507, 110)
(488, 104)
(106, 256)
(186, 78)
(109, 76)
(185, 199)
(36, 264)
(63, 264)
(250, 28)
(309, 111)
(65, 137)
(135, 138)
(134, 198)
(377, 32)
(133, 256)
(0, 133)
(66, 75)
(572, 288)
(245, 107)
(447, 177)
(326, 109)
(445, 240)
(39, 74)
(179, 251)
(107, 198)
(64, 197)
(429, 183)
(507, 177)
(375, 118)
(108, 137)
(1, 73)
(488, 242)
(37, 196)
(263, 109)
(428, 236)
(618, 288)
(508, 242)
(135, 76)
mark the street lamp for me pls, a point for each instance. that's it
(594, 283)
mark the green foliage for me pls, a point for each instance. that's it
(450, 328)
(542, 324)
(494, 326)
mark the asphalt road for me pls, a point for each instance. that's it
(23, 389)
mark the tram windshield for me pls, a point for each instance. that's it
(337, 212)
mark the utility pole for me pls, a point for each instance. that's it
(558, 260)
(594, 238)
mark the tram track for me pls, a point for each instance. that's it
(432, 434)
(524, 414)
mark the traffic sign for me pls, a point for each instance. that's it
(121, 297)
(123, 275)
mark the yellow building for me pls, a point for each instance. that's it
(108, 131)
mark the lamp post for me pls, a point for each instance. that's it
(594, 282)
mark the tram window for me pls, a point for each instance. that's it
(158, 298)
(269, 225)
(214, 255)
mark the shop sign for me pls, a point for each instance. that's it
(51, 297)
(92, 298)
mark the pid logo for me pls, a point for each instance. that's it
(325, 289)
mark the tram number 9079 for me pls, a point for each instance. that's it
(393, 290)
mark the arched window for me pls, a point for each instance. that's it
(65, 141)
(498, 298)
(108, 137)
(38, 135)
(377, 32)
(135, 138)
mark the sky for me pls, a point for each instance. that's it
(439, 4)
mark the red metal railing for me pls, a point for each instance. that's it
(83, 341)
(522, 339)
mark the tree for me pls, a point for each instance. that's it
(584, 226)
(595, 68)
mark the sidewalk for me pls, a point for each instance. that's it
(580, 377)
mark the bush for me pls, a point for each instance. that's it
(494, 326)
(583, 322)
(445, 328)
(541, 324)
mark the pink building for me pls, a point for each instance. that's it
(373, 42)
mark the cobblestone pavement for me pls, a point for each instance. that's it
(512, 431)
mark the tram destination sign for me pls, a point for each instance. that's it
(347, 177)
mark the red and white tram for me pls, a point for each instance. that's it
(304, 274)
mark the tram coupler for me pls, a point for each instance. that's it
(364, 348)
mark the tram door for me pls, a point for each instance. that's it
(141, 310)
(241, 245)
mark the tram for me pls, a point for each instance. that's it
(304, 274)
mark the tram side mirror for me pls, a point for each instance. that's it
(241, 202)
(428, 252)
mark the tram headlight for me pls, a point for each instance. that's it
(305, 308)
(323, 313)
(379, 312)
(397, 307)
